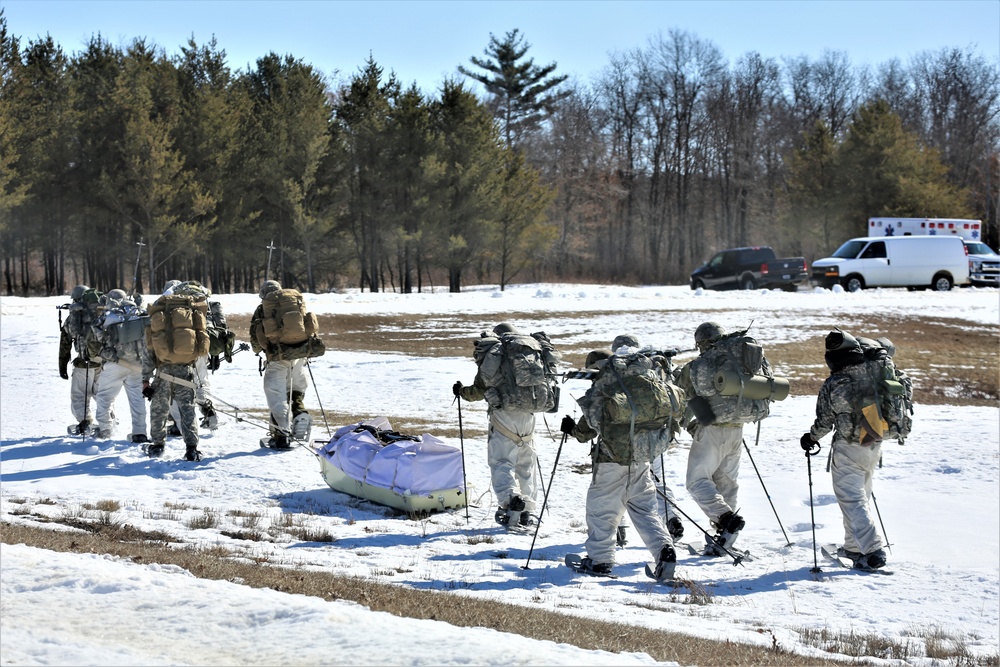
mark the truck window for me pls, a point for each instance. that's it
(849, 250)
(759, 256)
(874, 250)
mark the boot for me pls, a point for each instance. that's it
(666, 564)
(139, 438)
(192, 454)
(154, 450)
(298, 402)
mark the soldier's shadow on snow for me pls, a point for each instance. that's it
(33, 448)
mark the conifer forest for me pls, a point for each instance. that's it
(128, 165)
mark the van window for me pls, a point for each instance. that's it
(849, 250)
(874, 250)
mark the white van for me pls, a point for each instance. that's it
(917, 262)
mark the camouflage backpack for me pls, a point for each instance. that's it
(634, 405)
(177, 331)
(518, 371)
(893, 388)
(121, 324)
(739, 356)
(84, 314)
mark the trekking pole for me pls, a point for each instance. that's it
(541, 478)
(737, 558)
(270, 249)
(316, 389)
(879, 514)
(788, 542)
(663, 478)
(461, 442)
(812, 515)
(545, 501)
(135, 273)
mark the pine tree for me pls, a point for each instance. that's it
(521, 93)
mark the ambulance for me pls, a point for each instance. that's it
(970, 230)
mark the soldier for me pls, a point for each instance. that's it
(123, 344)
(856, 447)
(77, 333)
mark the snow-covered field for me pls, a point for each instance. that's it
(939, 498)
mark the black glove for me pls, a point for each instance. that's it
(64, 370)
(807, 441)
(675, 528)
(457, 388)
(214, 362)
(567, 424)
(148, 392)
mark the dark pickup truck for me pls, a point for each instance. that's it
(750, 268)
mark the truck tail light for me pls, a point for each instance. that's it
(763, 269)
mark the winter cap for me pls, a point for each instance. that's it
(625, 340)
(504, 327)
(78, 291)
(117, 294)
(169, 287)
(268, 287)
(595, 356)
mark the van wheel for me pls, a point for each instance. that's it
(941, 283)
(697, 285)
(854, 283)
(747, 282)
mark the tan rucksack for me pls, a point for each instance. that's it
(177, 330)
(285, 320)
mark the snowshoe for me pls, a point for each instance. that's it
(584, 565)
(302, 426)
(279, 441)
(154, 450)
(83, 428)
(192, 455)
(852, 560)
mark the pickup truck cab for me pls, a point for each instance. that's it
(916, 262)
(984, 265)
(750, 268)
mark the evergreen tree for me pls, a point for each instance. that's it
(522, 94)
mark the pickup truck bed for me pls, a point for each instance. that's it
(752, 267)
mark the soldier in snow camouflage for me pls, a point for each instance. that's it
(852, 464)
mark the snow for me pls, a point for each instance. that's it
(938, 495)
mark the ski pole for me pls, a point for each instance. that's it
(318, 399)
(809, 454)
(461, 442)
(879, 514)
(737, 558)
(541, 478)
(545, 501)
(788, 542)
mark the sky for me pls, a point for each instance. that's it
(938, 497)
(425, 42)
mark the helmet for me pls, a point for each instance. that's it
(504, 327)
(887, 344)
(595, 356)
(117, 294)
(708, 332)
(78, 291)
(268, 287)
(169, 287)
(625, 340)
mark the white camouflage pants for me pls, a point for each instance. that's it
(201, 392)
(853, 467)
(82, 390)
(511, 454)
(114, 376)
(280, 379)
(713, 468)
(614, 490)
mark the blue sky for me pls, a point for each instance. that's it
(425, 41)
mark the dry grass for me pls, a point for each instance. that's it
(216, 563)
(951, 361)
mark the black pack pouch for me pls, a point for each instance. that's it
(702, 410)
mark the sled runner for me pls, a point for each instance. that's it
(415, 474)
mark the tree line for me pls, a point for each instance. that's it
(123, 166)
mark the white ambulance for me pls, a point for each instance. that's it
(970, 230)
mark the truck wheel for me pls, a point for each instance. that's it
(747, 283)
(942, 282)
(697, 285)
(854, 283)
